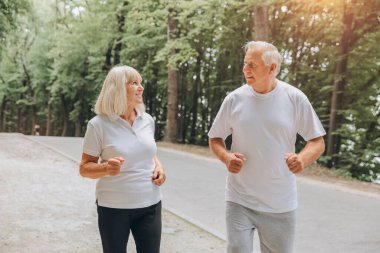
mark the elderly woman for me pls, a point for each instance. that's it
(120, 151)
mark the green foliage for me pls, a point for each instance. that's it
(9, 9)
(54, 59)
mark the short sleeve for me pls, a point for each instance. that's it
(92, 144)
(152, 125)
(221, 127)
(308, 124)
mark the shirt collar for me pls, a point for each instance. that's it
(114, 117)
(138, 112)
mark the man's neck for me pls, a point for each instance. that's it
(266, 88)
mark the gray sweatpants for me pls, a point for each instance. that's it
(276, 230)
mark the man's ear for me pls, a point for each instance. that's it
(273, 67)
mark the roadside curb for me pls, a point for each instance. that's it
(52, 148)
(337, 186)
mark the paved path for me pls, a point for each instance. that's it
(330, 218)
(46, 207)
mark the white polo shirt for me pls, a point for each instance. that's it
(110, 136)
(264, 128)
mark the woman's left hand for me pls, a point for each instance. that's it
(158, 176)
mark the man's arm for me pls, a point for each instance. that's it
(314, 148)
(233, 161)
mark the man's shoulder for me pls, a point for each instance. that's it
(292, 91)
(239, 92)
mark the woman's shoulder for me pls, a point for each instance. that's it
(147, 116)
(99, 120)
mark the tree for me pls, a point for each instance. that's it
(339, 81)
(53, 65)
(171, 130)
(358, 19)
(9, 9)
(261, 23)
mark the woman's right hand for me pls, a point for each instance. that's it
(113, 165)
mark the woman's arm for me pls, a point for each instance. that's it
(159, 176)
(89, 166)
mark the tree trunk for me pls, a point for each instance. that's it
(206, 109)
(333, 143)
(34, 119)
(65, 116)
(196, 95)
(120, 17)
(182, 121)
(171, 130)
(48, 120)
(20, 128)
(65, 124)
(77, 129)
(79, 120)
(4, 107)
(107, 62)
(261, 25)
(150, 91)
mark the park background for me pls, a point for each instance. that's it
(55, 55)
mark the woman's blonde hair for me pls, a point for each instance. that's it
(113, 96)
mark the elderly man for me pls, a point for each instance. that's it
(264, 117)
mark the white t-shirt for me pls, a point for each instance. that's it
(110, 136)
(264, 128)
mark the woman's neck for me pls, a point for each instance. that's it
(130, 115)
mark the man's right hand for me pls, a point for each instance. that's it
(235, 162)
(113, 165)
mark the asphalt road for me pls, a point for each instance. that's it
(331, 218)
(45, 206)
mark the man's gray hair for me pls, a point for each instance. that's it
(270, 53)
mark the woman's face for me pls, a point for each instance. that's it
(134, 92)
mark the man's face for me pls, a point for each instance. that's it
(255, 71)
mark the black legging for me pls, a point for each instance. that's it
(145, 224)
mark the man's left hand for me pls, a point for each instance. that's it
(294, 162)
